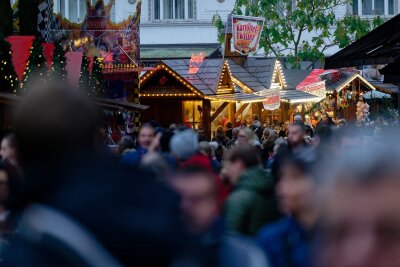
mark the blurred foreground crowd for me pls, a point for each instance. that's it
(325, 196)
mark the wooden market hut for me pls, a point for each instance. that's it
(345, 86)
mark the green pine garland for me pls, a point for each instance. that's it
(35, 66)
(97, 80)
(59, 61)
(8, 77)
(84, 80)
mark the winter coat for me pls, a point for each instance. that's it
(252, 203)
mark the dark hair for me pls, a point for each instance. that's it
(229, 124)
(12, 140)
(255, 117)
(126, 142)
(325, 133)
(148, 126)
(190, 171)
(164, 141)
(248, 154)
(305, 161)
(14, 183)
(53, 122)
(298, 124)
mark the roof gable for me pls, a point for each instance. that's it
(206, 80)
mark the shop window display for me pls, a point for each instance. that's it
(193, 114)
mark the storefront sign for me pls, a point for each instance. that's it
(317, 89)
(246, 33)
(272, 99)
(195, 62)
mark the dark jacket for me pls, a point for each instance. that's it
(133, 217)
(252, 204)
(286, 244)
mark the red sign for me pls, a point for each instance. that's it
(317, 89)
(195, 62)
(246, 33)
(272, 99)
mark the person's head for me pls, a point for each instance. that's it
(296, 186)
(246, 136)
(325, 118)
(220, 130)
(8, 150)
(54, 122)
(279, 142)
(146, 135)
(235, 133)
(10, 186)
(205, 148)
(239, 159)
(266, 133)
(286, 125)
(199, 201)
(126, 143)
(298, 119)
(255, 117)
(184, 144)
(296, 134)
(360, 225)
(323, 136)
(229, 125)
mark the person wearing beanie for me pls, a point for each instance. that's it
(184, 144)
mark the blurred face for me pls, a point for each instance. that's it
(295, 191)
(4, 191)
(362, 226)
(295, 135)
(242, 137)
(146, 136)
(199, 202)
(6, 151)
(235, 134)
(233, 170)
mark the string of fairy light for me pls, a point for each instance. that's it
(8, 78)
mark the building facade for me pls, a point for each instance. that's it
(162, 21)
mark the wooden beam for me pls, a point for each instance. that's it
(241, 109)
(218, 111)
(231, 112)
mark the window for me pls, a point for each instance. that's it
(379, 8)
(367, 7)
(77, 10)
(355, 7)
(193, 114)
(391, 7)
(374, 7)
(179, 9)
(173, 9)
(191, 9)
(156, 10)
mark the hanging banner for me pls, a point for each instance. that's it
(272, 99)
(73, 67)
(48, 52)
(246, 33)
(20, 47)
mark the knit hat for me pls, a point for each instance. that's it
(184, 144)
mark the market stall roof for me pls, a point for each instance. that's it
(388, 88)
(256, 73)
(294, 77)
(380, 46)
(376, 94)
(342, 79)
(206, 80)
(237, 97)
(297, 96)
(313, 77)
(176, 51)
(103, 102)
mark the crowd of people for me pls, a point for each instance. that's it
(307, 195)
